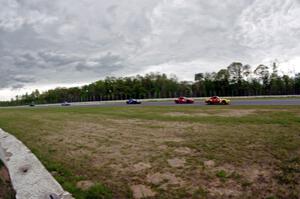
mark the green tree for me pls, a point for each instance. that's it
(263, 74)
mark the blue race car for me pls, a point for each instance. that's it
(133, 101)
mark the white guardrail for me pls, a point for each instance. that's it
(29, 177)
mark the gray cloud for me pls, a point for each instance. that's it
(103, 65)
(17, 86)
(11, 79)
(23, 78)
(62, 42)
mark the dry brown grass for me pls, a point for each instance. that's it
(223, 113)
(128, 152)
(166, 158)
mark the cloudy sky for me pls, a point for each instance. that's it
(44, 44)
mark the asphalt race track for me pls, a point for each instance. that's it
(255, 102)
(234, 103)
(267, 102)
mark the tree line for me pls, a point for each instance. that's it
(235, 80)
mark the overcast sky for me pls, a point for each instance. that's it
(44, 44)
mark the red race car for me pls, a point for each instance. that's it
(217, 100)
(184, 100)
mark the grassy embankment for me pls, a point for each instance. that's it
(170, 152)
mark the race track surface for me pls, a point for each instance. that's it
(234, 103)
(255, 102)
(171, 103)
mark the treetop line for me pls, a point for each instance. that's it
(235, 80)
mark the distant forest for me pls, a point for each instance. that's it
(235, 80)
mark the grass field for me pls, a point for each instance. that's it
(165, 152)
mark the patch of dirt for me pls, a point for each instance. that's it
(176, 162)
(220, 192)
(252, 173)
(257, 174)
(6, 190)
(225, 189)
(164, 179)
(256, 179)
(236, 112)
(224, 113)
(176, 114)
(228, 168)
(141, 166)
(192, 114)
(163, 147)
(183, 150)
(84, 184)
(142, 191)
(209, 163)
